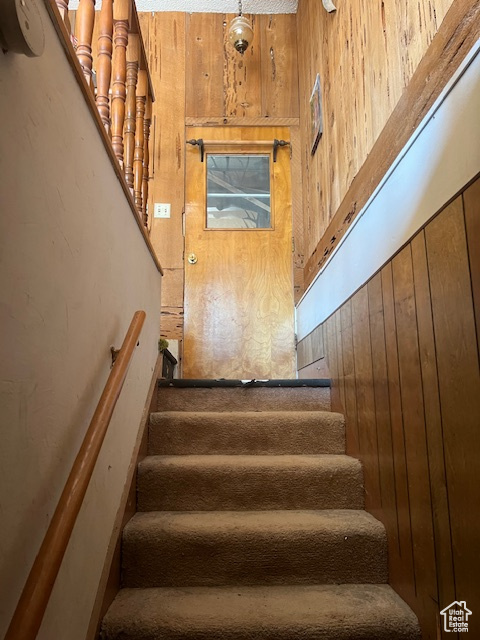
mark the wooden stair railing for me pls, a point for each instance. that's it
(104, 61)
(130, 114)
(83, 36)
(141, 101)
(146, 159)
(33, 602)
(116, 70)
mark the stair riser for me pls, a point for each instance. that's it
(197, 489)
(245, 399)
(167, 559)
(254, 433)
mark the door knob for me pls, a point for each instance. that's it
(192, 258)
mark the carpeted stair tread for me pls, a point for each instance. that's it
(253, 547)
(245, 399)
(253, 526)
(320, 612)
(238, 482)
(246, 432)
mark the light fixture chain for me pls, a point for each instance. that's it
(239, 7)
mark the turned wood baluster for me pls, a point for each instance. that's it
(130, 115)
(139, 139)
(83, 32)
(120, 41)
(146, 158)
(62, 6)
(104, 61)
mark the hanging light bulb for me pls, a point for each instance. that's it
(240, 32)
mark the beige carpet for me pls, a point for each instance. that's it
(250, 525)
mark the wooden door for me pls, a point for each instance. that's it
(239, 308)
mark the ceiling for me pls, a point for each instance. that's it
(210, 6)
(218, 6)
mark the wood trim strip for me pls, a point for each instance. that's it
(242, 122)
(109, 584)
(454, 39)
(90, 100)
(33, 602)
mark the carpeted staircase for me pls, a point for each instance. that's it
(250, 526)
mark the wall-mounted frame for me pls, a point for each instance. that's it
(316, 124)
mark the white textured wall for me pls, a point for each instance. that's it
(73, 269)
(210, 6)
(439, 161)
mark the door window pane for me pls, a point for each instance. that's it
(238, 192)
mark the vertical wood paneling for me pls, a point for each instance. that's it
(413, 413)
(205, 60)
(165, 46)
(317, 370)
(331, 344)
(388, 489)
(341, 374)
(242, 75)
(279, 73)
(412, 408)
(311, 348)
(367, 426)
(404, 580)
(222, 83)
(433, 423)
(459, 384)
(353, 445)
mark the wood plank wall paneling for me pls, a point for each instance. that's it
(367, 437)
(205, 63)
(279, 77)
(366, 54)
(404, 578)
(222, 83)
(242, 77)
(459, 386)
(386, 470)
(311, 348)
(199, 79)
(403, 354)
(164, 37)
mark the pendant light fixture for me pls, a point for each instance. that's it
(240, 32)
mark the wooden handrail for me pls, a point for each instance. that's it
(33, 602)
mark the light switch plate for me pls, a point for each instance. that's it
(161, 210)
